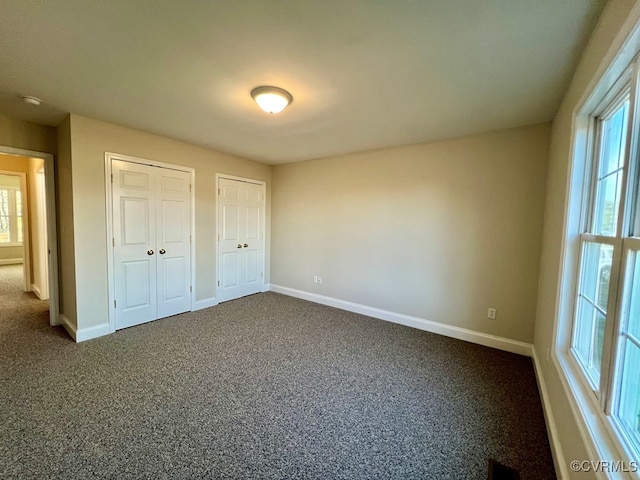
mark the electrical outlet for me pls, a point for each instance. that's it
(491, 313)
(315, 279)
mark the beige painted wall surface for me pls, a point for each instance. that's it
(440, 231)
(26, 135)
(90, 139)
(608, 26)
(64, 214)
(11, 253)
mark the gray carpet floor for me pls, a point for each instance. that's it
(265, 387)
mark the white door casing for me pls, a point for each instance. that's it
(151, 242)
(241, 206)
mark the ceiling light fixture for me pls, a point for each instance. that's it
(271, 99)
(31, 100)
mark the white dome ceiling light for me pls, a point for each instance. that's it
(31, 100)
(271, 99)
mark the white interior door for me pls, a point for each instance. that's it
(151, 242)
(173, 242)
(240, 238)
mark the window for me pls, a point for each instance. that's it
(605, 340)
(10, 215)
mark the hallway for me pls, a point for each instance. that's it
(21, 313)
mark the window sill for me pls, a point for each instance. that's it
(597, 430)
(10, 244)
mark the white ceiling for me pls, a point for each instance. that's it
(364, 74)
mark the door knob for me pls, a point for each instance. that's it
(239, 245)
(162, 251)
(246, 245)
(149, 252)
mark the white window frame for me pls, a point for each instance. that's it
(600, 432)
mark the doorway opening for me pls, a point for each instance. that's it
(28, 249)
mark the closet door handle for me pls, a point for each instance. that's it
(150, 252)
(162, 251)
(246, 245)
(239, 245)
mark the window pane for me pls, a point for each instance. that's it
(613, 132)
(631, 324)
(629, 402)
(596, 273)
(4, 216)
(19, 224)
(19, 215)
(592, 306)
(607, 204)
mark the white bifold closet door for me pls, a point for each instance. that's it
(240, 238)
(152, 242)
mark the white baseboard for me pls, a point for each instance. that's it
(36, 290)
(206, 303)
(90, 333)
(84, 334)
(11, 261)
(501, 343)
(559, 460)
(68, 326)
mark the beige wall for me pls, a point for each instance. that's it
(26, 135)
(608, 26)
(64, 214)
(90, 139)
(440, 231)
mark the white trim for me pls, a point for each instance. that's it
(108, 157)
(36, 290)
(501, 343)
(559, 460)
(11, 261)
(10, 244)
(68, 326)
(206, 303)
(90, 333)
(84, 334)
(52, 224)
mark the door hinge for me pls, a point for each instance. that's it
(218, 282)
(189, 238)
(114, 241)
(191, 288)
(218, 191)
(112, 178)
(189, 187)
(115, 304)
